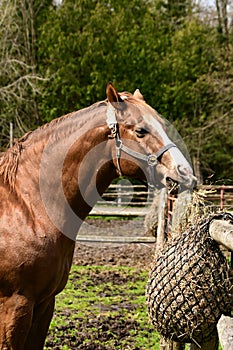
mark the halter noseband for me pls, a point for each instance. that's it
(150, 159)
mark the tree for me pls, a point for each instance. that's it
(168, 49)
(18, 76)
(221, 7)
(82, 46)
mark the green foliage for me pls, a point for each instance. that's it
(82, 46)
(138, 44)
(168, 49)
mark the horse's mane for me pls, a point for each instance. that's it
(9, 159)
(9, 163)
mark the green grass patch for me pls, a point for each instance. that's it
(108, 218)
(102, 308)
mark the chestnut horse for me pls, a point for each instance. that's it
(49, 181)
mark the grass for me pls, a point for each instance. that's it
(108, 218)
(102, 307)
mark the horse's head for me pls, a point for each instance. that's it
(143, 148)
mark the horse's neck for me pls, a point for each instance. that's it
(65, 174)
(46, 149)
(87, 170)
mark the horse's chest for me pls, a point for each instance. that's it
(54, 271)
(38, 267)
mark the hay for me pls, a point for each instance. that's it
(191, 211)
(189, 285)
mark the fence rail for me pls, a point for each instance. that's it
(124, 200)
(121, 194)
(115, 239)
(117, 201)
(222, 195)
(134, 200)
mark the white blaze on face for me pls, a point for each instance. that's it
(179, 161)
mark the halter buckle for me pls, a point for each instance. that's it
(152, 160)
(113, 129)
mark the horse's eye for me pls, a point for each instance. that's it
(141, 132)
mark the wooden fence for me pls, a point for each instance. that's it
(134, 200)
(127, 200)
(219, 197)
(124, 200)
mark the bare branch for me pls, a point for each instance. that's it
(19, 81)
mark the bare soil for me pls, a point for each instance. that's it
(113, 326)
(132, 254)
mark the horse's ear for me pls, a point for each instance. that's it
(137, 94)
(112, 94)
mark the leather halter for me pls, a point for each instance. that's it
(151, 159)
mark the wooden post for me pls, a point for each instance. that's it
(11, 134)
(119, 195)
(212, 344)
(225, 332)
(161, 219)
(222, 199)
(179, 213)
(222, 232)
(170, 345)
(197, 170)
(162, 210)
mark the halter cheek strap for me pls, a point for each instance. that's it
(150, 159)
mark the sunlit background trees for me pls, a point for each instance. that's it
(58, 56)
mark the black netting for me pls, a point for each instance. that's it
(189, 287)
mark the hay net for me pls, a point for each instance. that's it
(189, 286)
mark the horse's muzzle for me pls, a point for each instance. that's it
(186, 177)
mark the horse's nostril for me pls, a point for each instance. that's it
(187, 175)
(184, 171)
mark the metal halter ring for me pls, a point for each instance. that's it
(152, 160)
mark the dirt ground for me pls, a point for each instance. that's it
(133, 254)
(74, 335)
